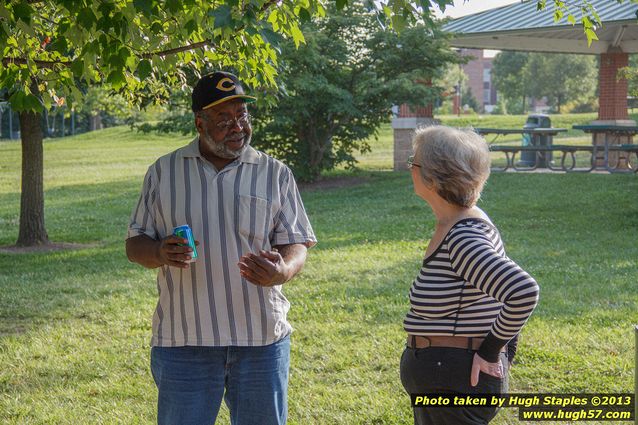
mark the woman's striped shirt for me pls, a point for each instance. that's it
(469, 287)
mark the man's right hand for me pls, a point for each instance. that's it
(152, 253)
(174, 251)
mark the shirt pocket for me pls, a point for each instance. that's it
(254, 216)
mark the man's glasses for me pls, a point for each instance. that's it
(242, 121)
(411, 162)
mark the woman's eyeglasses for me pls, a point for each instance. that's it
(411, 162)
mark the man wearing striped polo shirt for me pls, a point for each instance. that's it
(220, 328)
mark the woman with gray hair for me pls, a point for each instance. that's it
(469, 300)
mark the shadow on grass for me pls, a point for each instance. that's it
(85, 213)
(43, 288)
(40, 288)
(548, 232)
(382, 294)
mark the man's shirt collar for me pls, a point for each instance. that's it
(249, 155)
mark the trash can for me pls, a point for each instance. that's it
(541, 159)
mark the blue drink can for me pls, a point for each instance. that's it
(186, 233)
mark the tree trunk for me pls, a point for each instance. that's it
(32, 231)
(320, 144)
(559, 102)
(96, 122)
(10, 123)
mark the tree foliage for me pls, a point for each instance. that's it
(453, 77)
(630, 73)
(340, 86)
(98, 99)
(509, 78)
(144, 49)
(561, 78)
(468, 99)
(138, 47)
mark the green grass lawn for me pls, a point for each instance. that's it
(75, 325)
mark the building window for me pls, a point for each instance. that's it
(487, 75)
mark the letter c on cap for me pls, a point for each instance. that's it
(226, 84)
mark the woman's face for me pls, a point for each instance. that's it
(420, 188)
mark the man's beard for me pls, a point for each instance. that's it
(221, 149)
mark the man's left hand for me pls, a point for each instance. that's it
(266, 269)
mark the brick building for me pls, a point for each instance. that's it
(479, 73)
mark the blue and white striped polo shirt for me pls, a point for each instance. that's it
(251, 204)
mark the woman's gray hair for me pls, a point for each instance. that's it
(455, 162)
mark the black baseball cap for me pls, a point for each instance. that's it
(218, 87)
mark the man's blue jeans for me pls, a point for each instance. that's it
(192, 381)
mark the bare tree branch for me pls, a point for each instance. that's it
(267, 5)
(41, 64)
(177, 49)
(204, 43)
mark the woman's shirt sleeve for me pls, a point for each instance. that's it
(474, 258)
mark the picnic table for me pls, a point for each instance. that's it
(616, 155)
(533, 131)
(543, 152)
(567, 161)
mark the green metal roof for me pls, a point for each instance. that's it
(521, 26)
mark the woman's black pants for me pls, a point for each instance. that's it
(442, 370)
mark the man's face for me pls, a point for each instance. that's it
(224, 129)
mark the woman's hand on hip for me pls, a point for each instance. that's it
(481, 365)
